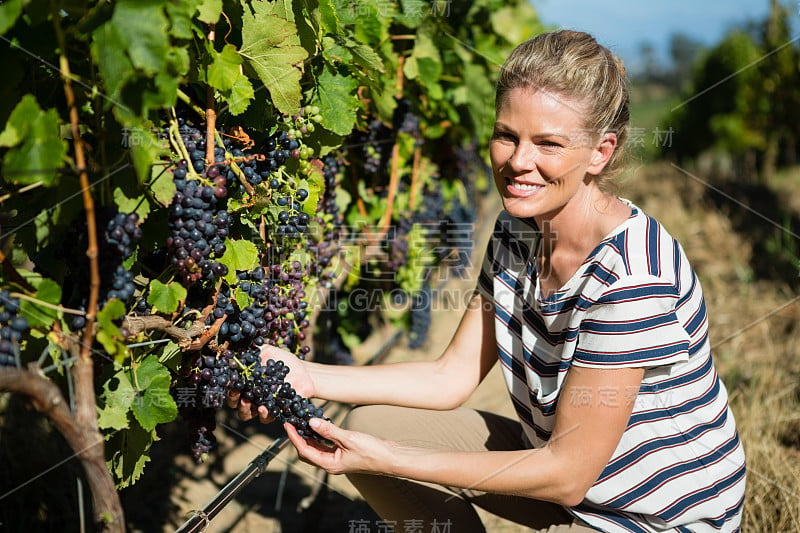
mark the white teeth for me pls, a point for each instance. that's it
(526, 186)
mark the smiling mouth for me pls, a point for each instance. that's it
(522, 187)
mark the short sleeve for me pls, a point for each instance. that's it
(507, 253)
(485, 285)
(633, 324)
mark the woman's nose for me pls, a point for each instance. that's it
(523, 158)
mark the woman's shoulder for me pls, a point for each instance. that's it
(645, 249)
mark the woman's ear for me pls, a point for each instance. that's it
(602, 152)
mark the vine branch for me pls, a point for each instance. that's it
(88, 442)
(211, 114)
(188, 339)
(46, 398)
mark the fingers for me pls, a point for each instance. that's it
(233, 398)
(271, 352)
(325, 428)
(234, 401)
(263, 415)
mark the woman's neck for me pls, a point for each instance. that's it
(583, 222)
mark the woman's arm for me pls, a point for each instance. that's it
(441, 384)
(444, 383)
(591, 416)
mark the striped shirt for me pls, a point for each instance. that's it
(634, 302)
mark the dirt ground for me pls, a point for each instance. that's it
(291, 496)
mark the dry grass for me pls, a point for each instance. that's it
(754, 335)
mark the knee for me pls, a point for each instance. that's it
(369, 419)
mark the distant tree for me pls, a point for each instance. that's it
(743, 99)
(652, 71)
(716, 107)
(778, 88)
(684, 51)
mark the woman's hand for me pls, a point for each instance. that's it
(297, 376)
(352, 452)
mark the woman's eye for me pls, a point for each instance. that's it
(502, 136)
(550, 144)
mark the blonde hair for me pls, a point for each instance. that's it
(574, 65)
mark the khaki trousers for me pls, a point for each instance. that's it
(428, 507)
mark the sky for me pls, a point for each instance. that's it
(623, 25)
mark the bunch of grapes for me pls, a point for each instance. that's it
(332, 167)
(420, 316)
(119, 235)
(406, 121)
(199, 225)
(277, 314)
(213, 374)
(292, 220)
(12, 327)
(376, 147)
(277, 149)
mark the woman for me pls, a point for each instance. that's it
(599, 323)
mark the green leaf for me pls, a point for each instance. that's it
(179, 13)
(161, 185)
(127, 204)
(131, 452)
(108, 333)
(414, 11)
(337, 101)
(366, 56)
(315, 185)
(372, 19)
(171, 356)
(39, 316)
(144, 29)
(424, 63)
(343, 199)
(37, 149)
(209, 10)
(300, 255)
(238, 98)
(223, 71)
(145, 151)
(109, 51)
(9, 12)
(116, 399)
(153, 404)
(515, 23)
(239, 255)
(271, 49)
(166, 298)
(243, 299)
(328, 18)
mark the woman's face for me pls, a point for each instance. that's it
(543, 156)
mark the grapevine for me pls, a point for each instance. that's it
(224, 183)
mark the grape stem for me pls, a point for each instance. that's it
(188, 101)
(177, 144)
(42, 303)
(236, 170)
(21, 190)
